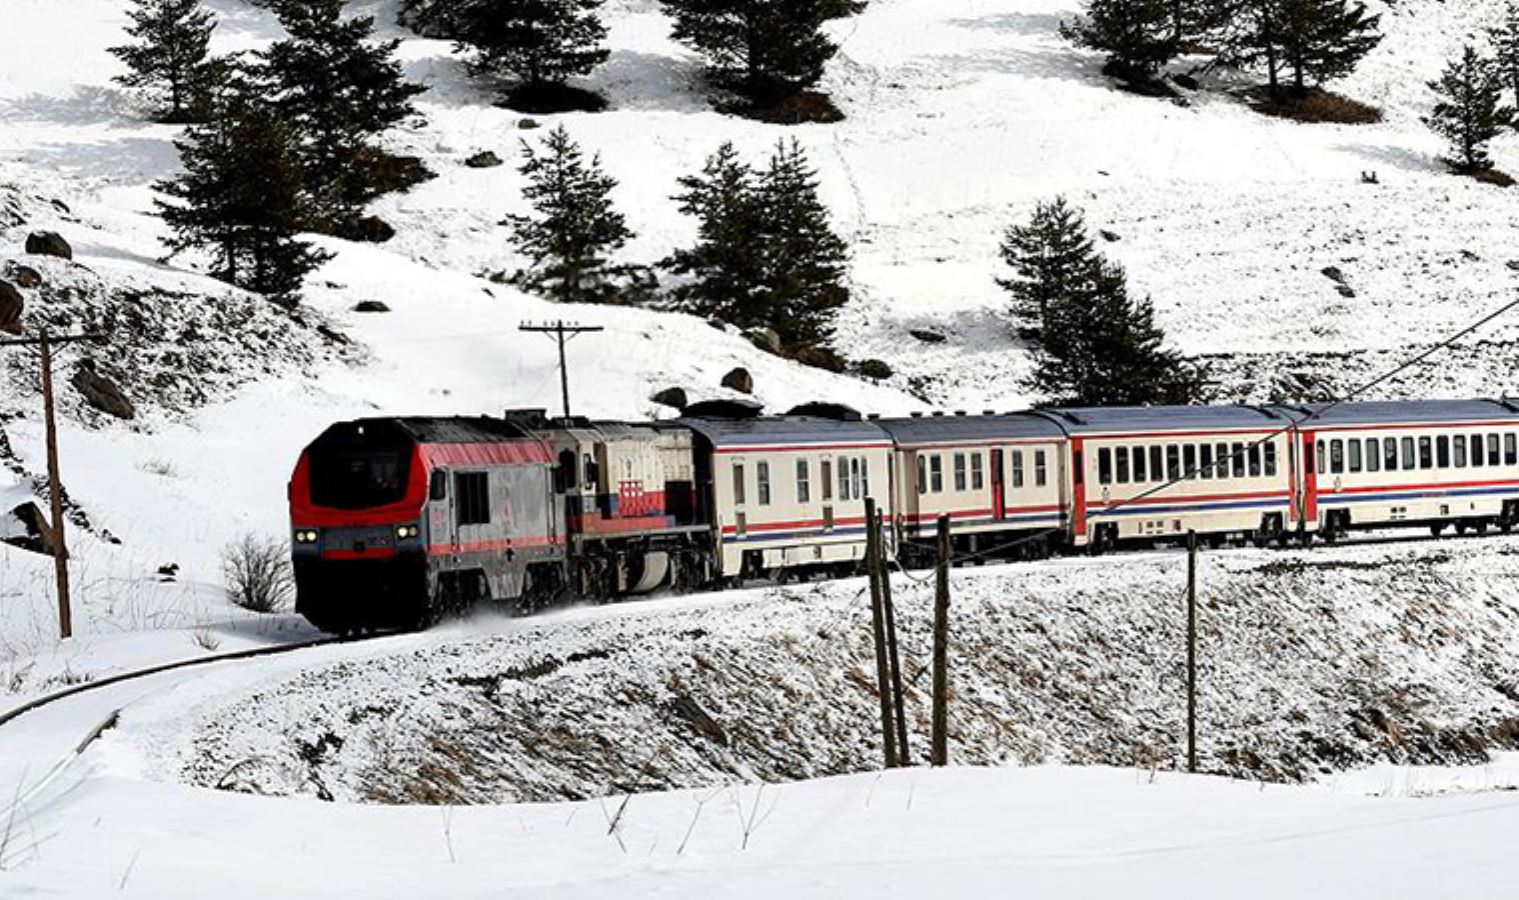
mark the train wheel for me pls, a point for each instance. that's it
(1436, 529)
(1481, 527)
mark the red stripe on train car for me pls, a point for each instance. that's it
(793, 526)
(1188, 498)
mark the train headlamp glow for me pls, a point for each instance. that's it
(406, 531)
(305, 537)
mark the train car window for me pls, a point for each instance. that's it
(1221, 453)
(803, 482)
(1122, 465)
(1442, 451)
(865, 476)
(1140, 474)
(922, 474)
(1041, 475)
(1458, 450)
(1189, 460)
(738, 484)
(936, 473)
(1157, 466)
(843, 464)
(960, 474)
(1237, 457)
(1373, 455)
(1255, 460)
(1336, 457)
(1390, 454)
(1206, 465)
(1104, 465)
(1323, 469)
(1426, 453)
(1173, 462)
(1355, 455)
(1476, 451)
(762, 478)
(855, 483)
(1409, 462)
(1017, 468)
(437, 488)
(472, 498)
(589, 471)
(1510, 450)
(1270, 451)
(1492, 450)
(977, 472)
(826, 478)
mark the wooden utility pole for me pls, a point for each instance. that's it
(894, 660)
(940, 745)
(1191, 651)
(878, 634)
(563, 332)
(56, 542)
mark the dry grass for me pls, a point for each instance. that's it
(256, 571)
(1315, 106)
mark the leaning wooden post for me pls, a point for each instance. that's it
(940, 748)
(59, 546)
(894, 661)
(877, 618)
(1192, 651)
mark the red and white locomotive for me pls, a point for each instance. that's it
(396, 521)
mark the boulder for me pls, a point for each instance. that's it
(1333, 274)
(366, 229)
(527, 124)
(101, 392)
(928, 337)
(48, 243)
(1111, 237)
(12, 304)
(820, 358)
(739, 380)
(26, 527)
(766, 339)
(485, 159)
(673, 397)
(370, 306)
(874, 369)
(24, 277)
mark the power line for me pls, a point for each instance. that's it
(563, 332)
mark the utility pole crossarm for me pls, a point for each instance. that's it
(562, 332)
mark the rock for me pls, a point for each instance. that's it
(48, 243)
(1513, 264)
(370, 306)
(1334, 274)
(527, 124)
(739, 380)
(101, 392)
(928, 337)
(720, 325)
(168, 571)
(24, 277)
(766, 339)
(368, 229)
(34, 528)
(874, 369)
(673, 397)
(1345, 290)
(1183, 80)
(12, 304)
(485, 159)
(820, 358)
(1110, 236)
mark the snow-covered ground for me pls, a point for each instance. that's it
(961, 115)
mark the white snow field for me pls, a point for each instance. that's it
(961, 115)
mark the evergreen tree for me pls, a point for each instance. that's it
(762, 48)
(1470, 111)
(240, 196)
(537, 44)
(1052, 259)
(573, 228)
(1139, 36)
(1324, 39)
(804, 261)
(725, 269)
(339, 89)
(169, 55)
(1505, 40)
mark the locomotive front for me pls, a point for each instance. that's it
(358, 529)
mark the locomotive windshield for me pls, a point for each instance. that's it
(360, 468)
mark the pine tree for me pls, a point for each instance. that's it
(173, 39)
(765, 49)
(1470, 111)
(1505, 40)
(1052, 259)
(724, 267)
(240, 196)
(1139, 36)
(805, 262)
(1324, 39)
(536, 44)
(339, 89)
(574, 227)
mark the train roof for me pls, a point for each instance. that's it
(1131, 419)
(1390, 412)
(920, 431)
(779, 431)
(458, 429)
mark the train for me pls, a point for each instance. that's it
(399, 521)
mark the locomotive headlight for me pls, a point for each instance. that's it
(406, 531)
(305, 537)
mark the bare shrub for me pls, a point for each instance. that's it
(256, 571)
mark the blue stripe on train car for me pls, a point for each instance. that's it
(1189, 507)
(1429, 494)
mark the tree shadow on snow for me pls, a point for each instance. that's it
(1052, 58)
(87, 105)
(1013, 23)
(124, 162)
(651, 82)
(1400, 158)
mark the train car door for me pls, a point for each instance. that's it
(1078, 492)
(442, 534)
(1310, 481)
(999, 496)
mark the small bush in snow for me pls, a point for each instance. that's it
(256, 572)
